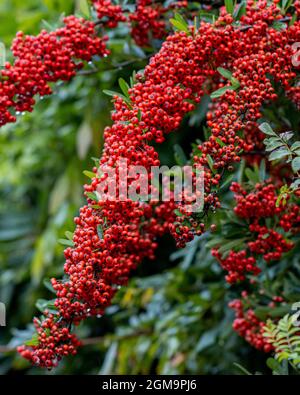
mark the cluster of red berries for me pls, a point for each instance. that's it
(249, 326)
(46, 58)
(51, 343)
(148, 20)
(109, 14)
(256, 207)
(112, 237)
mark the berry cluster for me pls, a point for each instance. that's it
(51, 343)
(109, 14)
(265, 241)
(248, 325)
(148, 20)
(48, 57)
(112, 237)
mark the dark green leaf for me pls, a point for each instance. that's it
(229, 6)
(66, 242)
(220, 92)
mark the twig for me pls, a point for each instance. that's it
(89, 341)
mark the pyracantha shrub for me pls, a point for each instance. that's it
(239, 60)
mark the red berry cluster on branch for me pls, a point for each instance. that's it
(54, 343)
(112, 237)
(256, 207)
(148, 20)
(46, 58)
(248, 325)
(109, 14)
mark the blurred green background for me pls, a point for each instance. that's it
(173, 316)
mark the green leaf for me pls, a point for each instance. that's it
(179, 155)
(240, 11)
(33, 342)
(220, 142)
(84, 7)
(181, 19)
(48, 285)
(271, 146)
(113, 94)
(295, 146)
(100, 232)
(225, 73)
(252, 176)
(89, 174)
(274, 365)
(296, 164)
(181, 26)
(43, 304)
(227, 182)
(220, 92)
(139, 115)
(69, 235)
(279, 25)
(124, 87)
(230, 245)
(235, 83)
(279, 153)
(242, 369)
(210, 163)
(262, 170)
(66, 242)
(92, 196)
(266, 129)
(229, 6)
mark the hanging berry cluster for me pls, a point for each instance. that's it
(113, 237)
(258, 208)
(148, 20)
(46, 58)
(248, 325)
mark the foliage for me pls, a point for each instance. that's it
(285, 338)
(173, 316)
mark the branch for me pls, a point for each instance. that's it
(4, 349)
